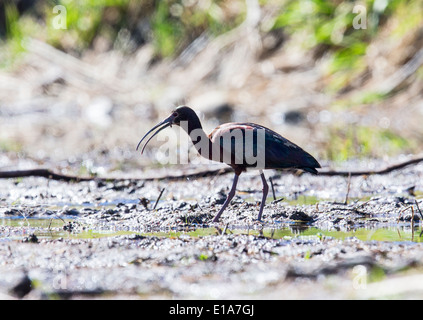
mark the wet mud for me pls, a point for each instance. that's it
(321, 237)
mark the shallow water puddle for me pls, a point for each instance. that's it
(22, 228)
(381, 234)
(364, 234)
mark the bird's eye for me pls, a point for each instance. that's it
(175, 114)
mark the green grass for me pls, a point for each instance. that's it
(355, 141)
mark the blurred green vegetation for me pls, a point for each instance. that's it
(328, 26)
(10, 146)
(363, 141)
(324, 27)
(170, 25)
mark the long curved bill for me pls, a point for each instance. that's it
(165, 123)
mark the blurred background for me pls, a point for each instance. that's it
(82, 81)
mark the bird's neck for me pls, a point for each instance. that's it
(195, 130)
(194, 126)
(198, 137)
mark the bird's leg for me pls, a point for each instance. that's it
(265, 192)
(228, 199)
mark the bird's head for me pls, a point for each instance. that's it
(180, 114)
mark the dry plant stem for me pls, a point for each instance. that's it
(348, 189)
(273, 189)
(418, 208)
(158, 198)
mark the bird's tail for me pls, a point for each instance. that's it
(310, 169)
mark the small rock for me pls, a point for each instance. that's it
(22, 288)
(32, 238)
(300, 216)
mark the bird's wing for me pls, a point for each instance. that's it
(253, 145)
(282, 153)
(240, 143)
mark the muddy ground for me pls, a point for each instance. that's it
(100, 239)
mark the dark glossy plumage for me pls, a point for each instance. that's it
(223, 145)
(280, 153)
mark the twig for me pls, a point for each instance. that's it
(412, 223)
(277, 201)
(399, 215)
(160, 195)
(348, 189)
(224, 230)
(364, 203)
(273, 189)
(418, 208)
(412, 217)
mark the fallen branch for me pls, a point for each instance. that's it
(46, 173)
(371, 172)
